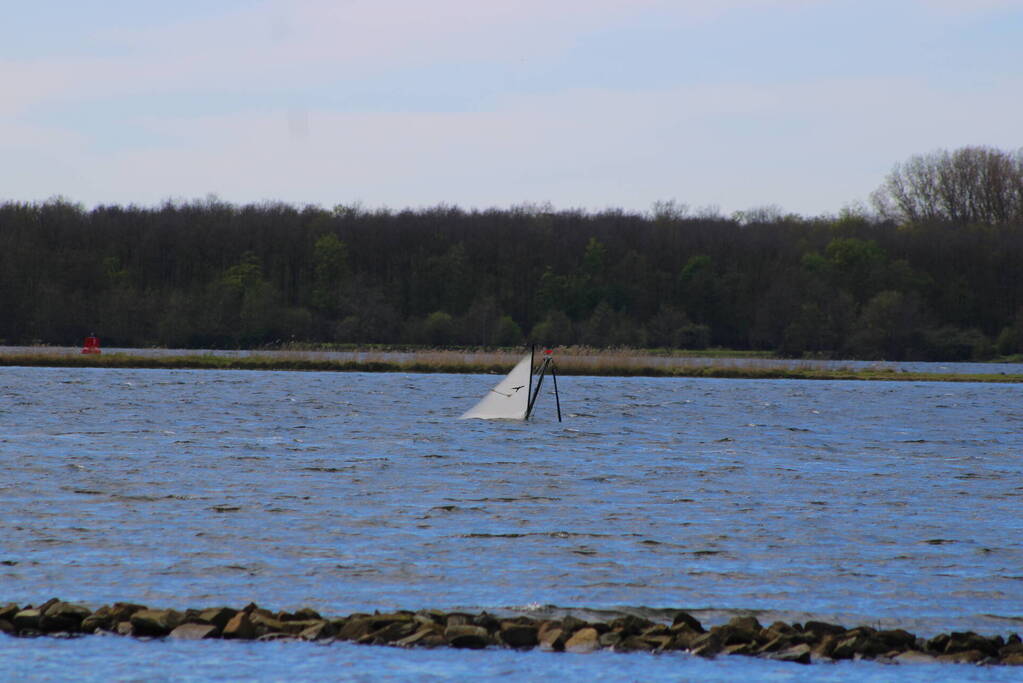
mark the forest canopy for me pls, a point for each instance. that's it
(933, 274)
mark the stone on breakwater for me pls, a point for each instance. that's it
(799, 654)
(8, 611)
(393, 631)
(317, 630)
(584, 640)
(551, 636)
(240, 627)
(194, 632)
(217, 616)
(63, 616)
(27, 620)
(518, 635)
(428, 635)
(820, 629)
(965, 642)
(815, 641)
(688, 620)
(155, 622)
(467, 636)
(108, 617)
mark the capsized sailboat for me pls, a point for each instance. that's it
(514, 396)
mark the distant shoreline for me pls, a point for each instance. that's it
(569, 362)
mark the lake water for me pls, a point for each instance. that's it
(892, 504)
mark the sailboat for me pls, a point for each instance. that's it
(514, 396)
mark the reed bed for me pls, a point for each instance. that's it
(571, 361)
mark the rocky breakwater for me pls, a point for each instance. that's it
(799, 643)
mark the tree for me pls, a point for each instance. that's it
(889, 327)
(330, 271)
(969, 185)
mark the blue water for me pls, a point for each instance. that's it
(892, 504)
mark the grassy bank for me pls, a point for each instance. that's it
(605, 365)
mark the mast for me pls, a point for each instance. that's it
(529, 390)
(557, 399)
(539, 383)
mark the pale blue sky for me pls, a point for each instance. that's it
(582, 103)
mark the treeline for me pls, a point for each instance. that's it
(208, 274)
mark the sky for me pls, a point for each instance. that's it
(730, 105)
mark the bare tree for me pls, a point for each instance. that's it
(969, 185)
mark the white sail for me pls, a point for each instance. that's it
(509, 399)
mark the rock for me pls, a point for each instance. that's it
(819, 629)
(654, 631)
(394, 631)
(265, 623)
(317, 630)
(863, 641)
(739, 630)
(683, 637)
(747, 623)
(6, 627)
(426, 636)
(749, 648)
(194, 632)
(519, 636)
(689, 620)
(46, 605)
(296, 627)
(458, 619)
(938, 643)
(276, 637)
(584, 640)
(8, 611)
(487, 621)
(825, 647)
(27, 619)
(780, 627)
(800, 654)
(611, 639)
(307, 614)
(467, 636)
(1012, 647)
(965, 657)
(707, 644)
(240, 626)
(659, 643)
(897, 639)
(635, 644)
(103, 618)
(123, 628)
(63, 616)
(355, 628)
(964, 642)
(914, 657)
(431, 615)
(631, 625)
(780, 642)
(1013, 659)
(155, 622)
(122, 611)
(572, 624)
(217, 616)
(552, 638)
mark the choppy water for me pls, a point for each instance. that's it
(857, 502)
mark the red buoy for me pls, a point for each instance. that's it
(91, 344)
